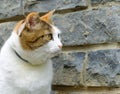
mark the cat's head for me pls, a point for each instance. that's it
(39, 33)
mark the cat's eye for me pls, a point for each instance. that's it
(51, 36)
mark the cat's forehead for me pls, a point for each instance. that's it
(32, 14)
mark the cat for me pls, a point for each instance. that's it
(25, 58)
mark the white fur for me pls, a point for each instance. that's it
(21, 29)
(19, 77)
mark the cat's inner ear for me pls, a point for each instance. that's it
(47, 17)
(33, 21)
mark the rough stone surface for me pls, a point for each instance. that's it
(90, 26)
(5, 31)
(104, 68)
(86, 27)
(67, 68)
(116, 91)
(102, 1)
(9, 8)
(46, 5)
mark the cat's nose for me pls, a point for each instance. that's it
(60, 46)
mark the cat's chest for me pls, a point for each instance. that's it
(26, 76)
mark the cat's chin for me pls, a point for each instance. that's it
(54, 53)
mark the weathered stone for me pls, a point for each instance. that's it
(57, 92)
(102, 1)
(5, 31)
(101, 25)
(87, 27)
(104, 68)
(47, 5)
(67, 68)
(11, 8)
(87, 91)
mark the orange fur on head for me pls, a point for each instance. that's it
(32, 20)
(37, 30)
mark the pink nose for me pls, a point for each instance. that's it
(60, 46)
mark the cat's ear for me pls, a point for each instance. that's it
(32, 20)
(47, 17)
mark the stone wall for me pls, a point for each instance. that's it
(90, 60)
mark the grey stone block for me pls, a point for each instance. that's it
(102, 1)
(104, 68)
(90, 26)
(87, 91)
(87, 27)
(46, 5)
(5, 31)
(11, 8)
(67, 68)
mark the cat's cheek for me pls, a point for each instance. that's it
(52, 47)
(54, 50)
